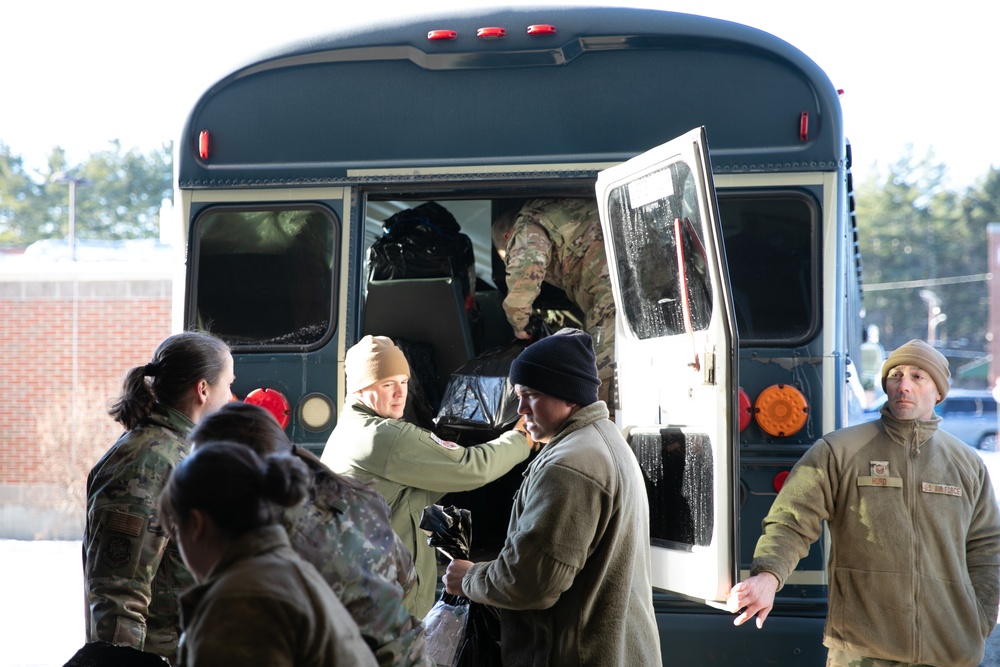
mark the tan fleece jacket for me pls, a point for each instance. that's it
(915, 528)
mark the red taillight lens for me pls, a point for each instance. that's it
(274, 402)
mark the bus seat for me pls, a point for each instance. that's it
(428, 310)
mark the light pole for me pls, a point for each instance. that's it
(62, 178)
(934, 314)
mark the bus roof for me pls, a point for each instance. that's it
(602, 85)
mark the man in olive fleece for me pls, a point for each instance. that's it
(915, 557)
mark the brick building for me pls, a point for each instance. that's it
(70, 329)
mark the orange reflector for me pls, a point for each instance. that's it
(541, 29)
(491, 33)
(434, 35)
(745, 412)
(273, 401)
(203, 145)
(779, 480)
(804, 126)
(781, 410)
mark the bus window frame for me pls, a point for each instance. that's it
(191, 315)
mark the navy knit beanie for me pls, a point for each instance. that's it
(561, 365)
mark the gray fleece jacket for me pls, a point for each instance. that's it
(915, 530)
(573, 580)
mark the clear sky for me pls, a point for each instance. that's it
(80, 74)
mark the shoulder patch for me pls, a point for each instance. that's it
(116, 551)
(447, 444)
(122, 522)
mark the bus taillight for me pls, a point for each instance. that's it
(781, 410)
(435, 35)
(274, 402)
(779, 480)
(316, 412)
(745, 412)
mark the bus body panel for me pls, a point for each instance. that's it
(600, 59)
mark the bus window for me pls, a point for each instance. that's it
(654, 303)
(771, 246)
(264, 277)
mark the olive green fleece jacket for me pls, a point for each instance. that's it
(573, 581)
(413, 468)
(915, 530)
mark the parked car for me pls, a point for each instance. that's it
(968, 414)
(971, 416)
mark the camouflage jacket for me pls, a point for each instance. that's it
(344, 531)
(413, 468)
(132, 572)
(558, 241)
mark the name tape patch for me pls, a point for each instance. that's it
(946, 489)
(894, 482)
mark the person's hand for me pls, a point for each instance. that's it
(521, 428)
(453, 576)
(522, 335)
(753, 597)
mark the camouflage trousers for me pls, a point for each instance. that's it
(839, 658)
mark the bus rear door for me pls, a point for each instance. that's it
(677, 372)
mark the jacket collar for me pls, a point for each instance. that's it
(585, 416)
(905, 431)
(250, 544)
(175, 420)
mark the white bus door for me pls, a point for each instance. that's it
(676, 349)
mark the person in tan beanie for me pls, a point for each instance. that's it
(410, 466)
(915, 528)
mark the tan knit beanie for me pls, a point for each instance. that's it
(918, 353)
(372, 359)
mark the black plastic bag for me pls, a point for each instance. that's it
(478, 402)
(450, 531)
(423, 242)
(103, 654)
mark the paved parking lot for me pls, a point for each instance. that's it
(41, 618)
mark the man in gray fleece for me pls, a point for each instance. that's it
(915, 529)
(573, 580)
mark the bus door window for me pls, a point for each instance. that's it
(264, 277)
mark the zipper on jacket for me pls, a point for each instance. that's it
(911, 501)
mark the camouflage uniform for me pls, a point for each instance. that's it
(132, 572)
(345, 533)
(560, 241)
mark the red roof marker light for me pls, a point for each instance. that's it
(541, 29)
(203, 145)
(437, 35)
(491, 33)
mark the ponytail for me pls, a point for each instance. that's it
(178, 364)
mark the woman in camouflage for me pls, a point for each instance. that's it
(132, 570)
(343, 529)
